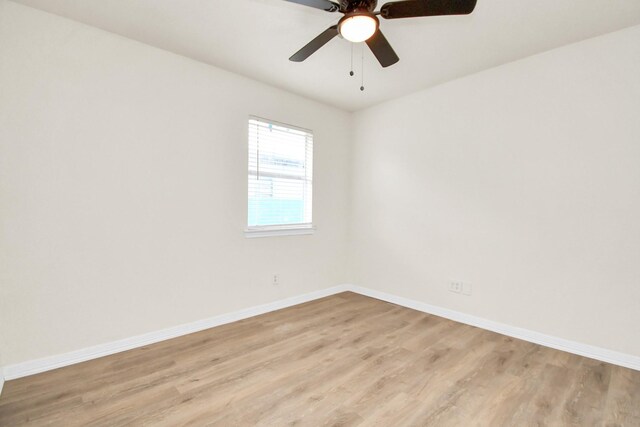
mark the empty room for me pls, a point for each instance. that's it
(319, 213)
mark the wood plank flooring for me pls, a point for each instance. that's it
(344, 360)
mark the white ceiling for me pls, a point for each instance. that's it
(256, 37)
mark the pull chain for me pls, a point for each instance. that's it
(351, 72)
(362, 73)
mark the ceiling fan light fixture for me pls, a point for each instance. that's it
(358, 28)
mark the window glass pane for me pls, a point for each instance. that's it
(280, 178)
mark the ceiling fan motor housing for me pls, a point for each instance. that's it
(353, 6)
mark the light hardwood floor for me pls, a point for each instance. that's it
(340, 361)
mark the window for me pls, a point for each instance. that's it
(280, 179)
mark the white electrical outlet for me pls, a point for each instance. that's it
(460, 287)
(276, 280)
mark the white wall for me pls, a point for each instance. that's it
(123, 189)
(523, 180)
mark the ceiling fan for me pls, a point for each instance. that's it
(360, 22)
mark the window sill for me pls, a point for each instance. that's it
(253, 232)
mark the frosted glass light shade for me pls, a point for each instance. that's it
(358, 28)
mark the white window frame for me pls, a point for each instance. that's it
(279, 229)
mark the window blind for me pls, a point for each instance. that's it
(280, 175)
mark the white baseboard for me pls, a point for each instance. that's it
(1, 380)
(598, 353)
(52, 362)
(58, 361)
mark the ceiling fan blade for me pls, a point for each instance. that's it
(382, 50)
(315, 44)
(417, 8)
(327, 5)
